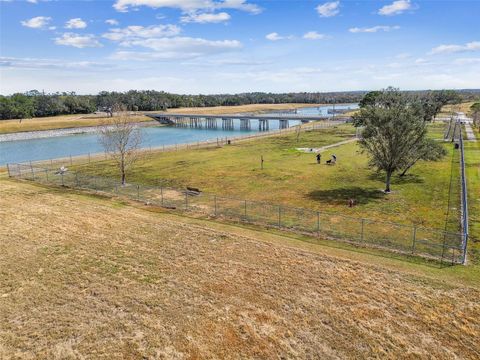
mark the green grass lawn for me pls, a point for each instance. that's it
(472, 160)
(293, 178)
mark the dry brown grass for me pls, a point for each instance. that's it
(215, 110)
(84, 277)
(58, 122)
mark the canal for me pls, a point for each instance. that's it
(152, 136)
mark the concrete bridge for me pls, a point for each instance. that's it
(227, 121)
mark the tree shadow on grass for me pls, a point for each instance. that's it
(340, 196)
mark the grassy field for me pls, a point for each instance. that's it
(292, 177)
(464, 107)
(58, 122)
(472, 159)
(254, 108)
(81, 120)
(86, 277)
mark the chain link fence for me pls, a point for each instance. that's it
(429, 243)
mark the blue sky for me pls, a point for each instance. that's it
(228, 46)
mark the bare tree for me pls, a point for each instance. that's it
(121, 139)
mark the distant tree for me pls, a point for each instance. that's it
(393, 129)
(428, 150)
(369, 99)
(121, 139)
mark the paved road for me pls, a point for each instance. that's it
(468, 128)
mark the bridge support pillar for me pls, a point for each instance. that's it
(263, 125)
(284, 124)
(245, 124)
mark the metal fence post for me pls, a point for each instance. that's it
(161, 194)
(215, 204)
(138, 192)
(414, 239)
(318, 223)
(363, 225)
(8, 169)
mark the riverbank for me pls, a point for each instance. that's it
(42, 134)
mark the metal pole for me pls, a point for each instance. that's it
(215, 204)
(363, 225)
(138, 192)
(318, 223)
(8, 169)
(161, 193)
(414, 239)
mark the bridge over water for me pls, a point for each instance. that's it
(227, 121)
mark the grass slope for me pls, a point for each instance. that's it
(86, 277)
(58, 122)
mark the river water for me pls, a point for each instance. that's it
(154, 136)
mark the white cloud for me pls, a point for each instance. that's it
(112, 22)
(176, 48)
(448, 49)
(75, 23)
(32, 1)
(205, 17)
(275, 37)
(42, 64)
(38, 22)
(313, 35)
(467, 61)
(78, 41)
(395, 8)
(328, 9)
(189, 5)
(134, 32)
(373, 29)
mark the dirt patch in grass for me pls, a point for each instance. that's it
(82, 278)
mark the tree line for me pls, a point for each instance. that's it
(38, 104)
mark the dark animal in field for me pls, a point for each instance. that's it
(329, 162)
